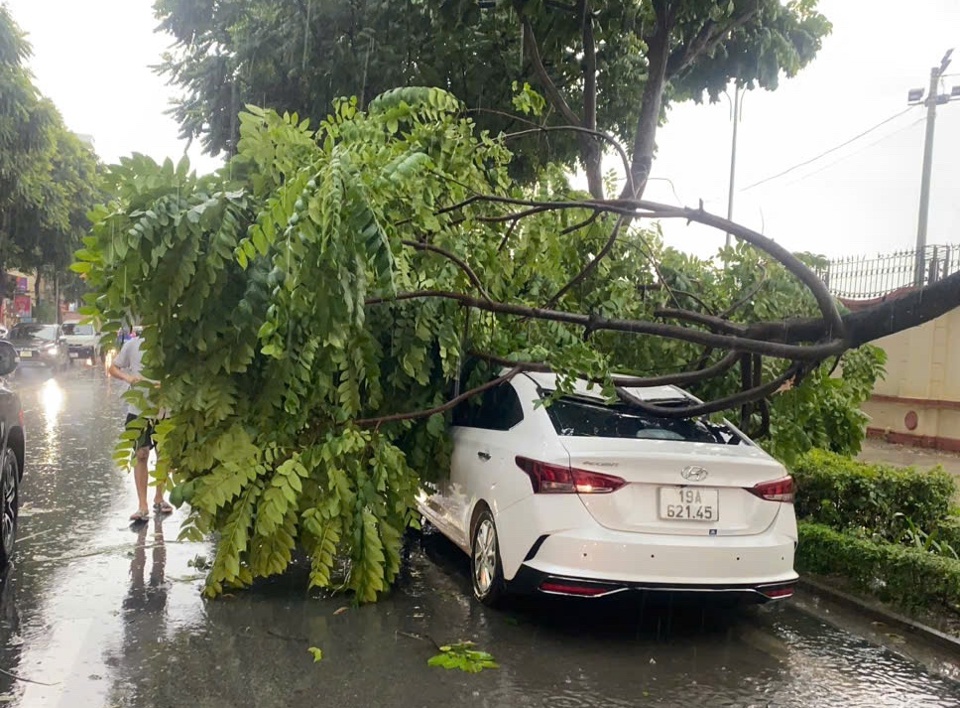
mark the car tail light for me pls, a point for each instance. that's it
(777, 593)
(566, 587)
(779, 490)
(559, 479)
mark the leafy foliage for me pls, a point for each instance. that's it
(463, 656)
(302, 306)
(825, 412)
(879, 499)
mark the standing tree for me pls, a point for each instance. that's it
(26, 122)
(71, 190)
(603, 65)
(48, 177)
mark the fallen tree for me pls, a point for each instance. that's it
(310, 308)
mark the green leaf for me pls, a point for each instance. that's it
(316, 652)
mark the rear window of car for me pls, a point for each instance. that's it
(585, 417)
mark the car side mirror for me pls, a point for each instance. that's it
(8, 358)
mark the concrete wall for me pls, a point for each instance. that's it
(919, 401)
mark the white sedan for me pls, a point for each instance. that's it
(587, 498)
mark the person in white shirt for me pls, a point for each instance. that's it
(127, 366)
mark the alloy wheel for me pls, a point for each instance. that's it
(8, 504)
(485, 556)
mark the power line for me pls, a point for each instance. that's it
(857, 152)
(827, 152)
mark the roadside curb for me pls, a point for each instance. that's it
(870, 609)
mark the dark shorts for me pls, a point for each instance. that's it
(146, 435)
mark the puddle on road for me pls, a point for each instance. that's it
(113, 617)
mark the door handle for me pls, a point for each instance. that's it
(483, 455)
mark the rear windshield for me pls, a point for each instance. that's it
(78, 329)
(584, 417)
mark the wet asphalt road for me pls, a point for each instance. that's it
(111, 616)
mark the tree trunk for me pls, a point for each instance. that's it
(591, 150)
(592, 154)
(644, 141)
(872, 323)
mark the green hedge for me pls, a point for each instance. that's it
(949, 530)
(842, 493)
(904, 576)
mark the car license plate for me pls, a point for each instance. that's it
(74, 355)
(689, 504)
(26, 355)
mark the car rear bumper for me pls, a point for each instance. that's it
(654, 561)
(529, 580)
(82, 352)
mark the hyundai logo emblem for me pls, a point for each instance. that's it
(693, 473)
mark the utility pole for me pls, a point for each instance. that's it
(932, 100)
(733, 155)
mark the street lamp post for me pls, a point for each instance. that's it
(733, 155)
(932, 100)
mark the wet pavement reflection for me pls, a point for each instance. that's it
(94, 613)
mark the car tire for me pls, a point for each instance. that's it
(486, 568)
(9, 505)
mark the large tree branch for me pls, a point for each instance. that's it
(414, 415)
(681, 378)
(647, 209)
(592, 323)
(721, 404)
(867, 325)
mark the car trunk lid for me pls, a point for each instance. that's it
(677, 487)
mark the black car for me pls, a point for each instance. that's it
(12, 447)
(40, 344)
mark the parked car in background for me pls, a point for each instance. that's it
(40, 345)
(12, 450)
(589, 498)
(83, 341)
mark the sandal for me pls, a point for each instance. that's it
(140, 515)
(162, 508)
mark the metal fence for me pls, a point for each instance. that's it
(865, 278)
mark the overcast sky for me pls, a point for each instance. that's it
(92, 59)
